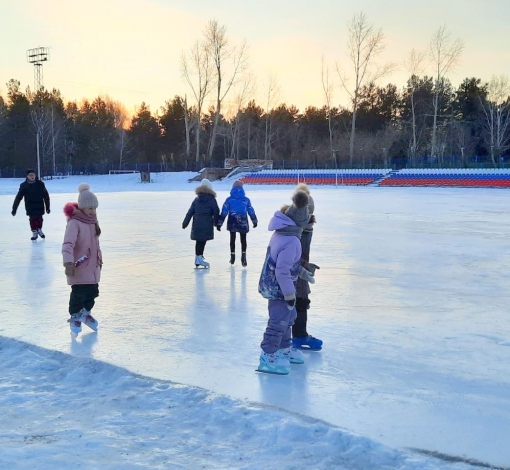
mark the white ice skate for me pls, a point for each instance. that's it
(88, 319)
(75, 323)
(40, 233)
(200, 261)
(293, 355)
(273, 363)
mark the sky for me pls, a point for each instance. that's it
(411, 302)
(131, 51)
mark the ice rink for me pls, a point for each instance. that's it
(411, 301)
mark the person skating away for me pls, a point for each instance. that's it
(300, 337)
(82, 257)
(37, 201)
(237, 207)
(278, 284)
(204, 211)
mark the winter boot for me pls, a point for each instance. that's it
(307, 342)
(40, 233)
(34, 235)
(200, 261)
(88, 319)
(293, 355)
(75, 323)
(273, 363)
(232, 258)
(243, 259)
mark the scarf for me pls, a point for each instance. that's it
(86, 219)
(291, 230)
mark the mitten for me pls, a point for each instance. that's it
(290, 301)
(13, 212)
(183, 226)
(69, 269)
(312, 219)
(255, 224)
(306, 275)
(48, 210)
(218, 227)
(312, 267)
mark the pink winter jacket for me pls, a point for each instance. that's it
(80, 240)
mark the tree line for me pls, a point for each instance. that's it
(428, 122)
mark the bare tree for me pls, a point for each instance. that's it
(364, 45)
(414, 65)
(497, 116)
(196, 69)
(187, 126)
(444, 55)
(229, 62)
(328, 87)
(272, 92)
(245, 91)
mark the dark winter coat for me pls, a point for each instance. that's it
(36, 198)
(237, 207)
(205, 212)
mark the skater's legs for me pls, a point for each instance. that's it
(299, 327)
(277, 334)
(82, 296)
(199, 247)
(232, 242)
(36, 222)
(243, 242)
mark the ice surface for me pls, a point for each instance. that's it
(411, 302)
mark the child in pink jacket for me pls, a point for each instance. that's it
(82, 258)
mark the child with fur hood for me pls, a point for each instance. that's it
(238, 207)
(278, 284)
(205, 212)
(82, 258)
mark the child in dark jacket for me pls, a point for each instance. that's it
(205, 211)
(36, 196)
(277, 283)
(237, 207)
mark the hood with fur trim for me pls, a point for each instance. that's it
(70, 208)
(204, 190)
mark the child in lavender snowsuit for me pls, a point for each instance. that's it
(278, 284)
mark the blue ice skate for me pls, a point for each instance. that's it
(307, 342)
(273, 363)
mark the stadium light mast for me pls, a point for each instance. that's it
(37, 56)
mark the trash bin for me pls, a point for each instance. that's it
(145, 176)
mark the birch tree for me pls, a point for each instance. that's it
(444, 54)
(364, 45)
(327, 87)
(229, 63)
(244, 92)
(272, 92)
(414, 65)
(196, 69)
(497, 117)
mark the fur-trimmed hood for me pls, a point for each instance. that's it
(204, 190)
(70, 208)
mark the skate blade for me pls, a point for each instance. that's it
(278, 371)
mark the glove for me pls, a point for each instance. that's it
(306, 275)
(183, 226)
(218, 227)
(290, 301)
(48, 210)
(255, 224)
(312, 267)
(312, 219)
(69, 269)
(13, 212)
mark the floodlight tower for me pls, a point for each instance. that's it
(37, 56)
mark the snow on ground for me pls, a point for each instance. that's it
(411, 301)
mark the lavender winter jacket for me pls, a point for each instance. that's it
(80, 239)
(281, 266)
